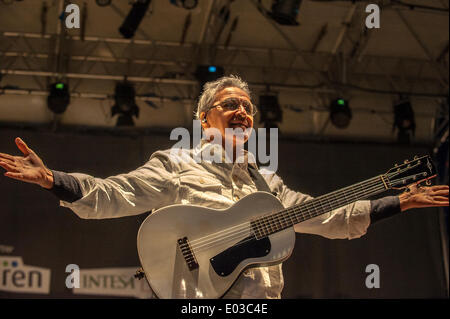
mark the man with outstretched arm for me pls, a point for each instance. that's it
(177, 178)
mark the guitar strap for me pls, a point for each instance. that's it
(257, 178)
(261, 185)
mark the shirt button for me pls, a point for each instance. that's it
(201, 180)
(236, 197)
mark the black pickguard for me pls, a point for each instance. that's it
(227, 261)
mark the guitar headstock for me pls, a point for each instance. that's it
(418, 170)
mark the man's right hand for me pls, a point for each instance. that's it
(28, 168)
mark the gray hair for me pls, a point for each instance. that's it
(210, 90)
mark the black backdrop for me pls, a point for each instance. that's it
(406, 247)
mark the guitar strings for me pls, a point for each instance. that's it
(287, 213)
(244, 230)
(306, 205)
(369, 183)
(282, 216)
(235, 235)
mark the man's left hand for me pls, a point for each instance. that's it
(418, 196)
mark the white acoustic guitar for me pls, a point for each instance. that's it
(189, 251)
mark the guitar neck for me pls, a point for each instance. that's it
(286, 218)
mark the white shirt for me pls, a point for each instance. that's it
(177, 177)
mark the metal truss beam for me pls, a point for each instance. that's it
(278, 67)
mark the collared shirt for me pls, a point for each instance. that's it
(179, 176)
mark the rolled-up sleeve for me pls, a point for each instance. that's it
(148, 187)
(348, 222)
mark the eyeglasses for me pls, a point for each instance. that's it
(233, 103)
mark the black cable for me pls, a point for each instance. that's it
(413, 6)
(398, 2)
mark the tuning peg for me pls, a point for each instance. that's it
(416, 157)
(406, 162)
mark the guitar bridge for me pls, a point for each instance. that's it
(188, 254)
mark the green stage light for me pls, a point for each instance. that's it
(340, 113)
(59, 97)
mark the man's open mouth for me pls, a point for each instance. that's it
(240, 125)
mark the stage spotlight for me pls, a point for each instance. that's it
(103, 3)
(404, 120)
(270, 110)
(207, 73)
(340, 113)
(59, 97)
(125, 104)
(186, 4)
(285, 12)
(134, 18)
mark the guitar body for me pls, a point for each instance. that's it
(190, 251)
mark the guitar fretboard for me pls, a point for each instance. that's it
(275, 222)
